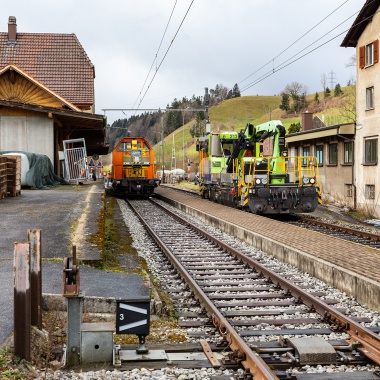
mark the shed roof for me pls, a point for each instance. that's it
(364, 17)
(56, 60)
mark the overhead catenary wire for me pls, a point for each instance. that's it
(292, 59)
(293, 43)
(167, 51)
(275, 68)
(156, 55)
(283, 65)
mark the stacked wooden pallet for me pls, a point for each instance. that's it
(13, 175)
(3, 177)
(10, 175)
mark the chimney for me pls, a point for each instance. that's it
(12, 29)
(307, 121)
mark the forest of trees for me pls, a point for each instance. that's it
(148, 124)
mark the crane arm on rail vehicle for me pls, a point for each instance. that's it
(251, 137)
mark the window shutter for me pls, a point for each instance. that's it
(362, 57)
(376, 51)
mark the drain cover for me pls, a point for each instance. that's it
(313, 350)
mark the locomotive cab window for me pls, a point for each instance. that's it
(124, 147)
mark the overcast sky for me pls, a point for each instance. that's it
(207, 42)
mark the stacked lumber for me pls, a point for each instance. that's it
(13, 175)
(3, 177)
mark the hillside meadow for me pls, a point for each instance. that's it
(234, 114)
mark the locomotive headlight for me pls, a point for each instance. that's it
(312, 181)
(258, 181)
(305, 180)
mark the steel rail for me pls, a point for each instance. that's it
(305, 219)
(252, 361)
(369, 340)
(351, 231)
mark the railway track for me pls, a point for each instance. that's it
(360, 234)
(356, 235)
(274, 324)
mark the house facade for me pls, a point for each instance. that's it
(334, 148)
(46, 94)
(364, 36)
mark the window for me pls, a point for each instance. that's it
(369, 98)
(370, 151)
(369, 55)
(370, 191)
(319, 154)
(333, 154)
(305, 152)
(348, 152)
(348, 188)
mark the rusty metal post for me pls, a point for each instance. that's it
(71, 290)
(34, 238)
(21, 273)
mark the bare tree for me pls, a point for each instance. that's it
(324, 82)
(351, 61)
(295, 89)
(297, 92)
(348, 109)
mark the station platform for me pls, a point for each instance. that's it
(66, 215)
(347, 266)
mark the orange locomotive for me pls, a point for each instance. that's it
(133, 167)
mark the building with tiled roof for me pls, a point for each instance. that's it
(56, 60)
(46, 93)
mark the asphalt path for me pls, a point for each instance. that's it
(54, 212)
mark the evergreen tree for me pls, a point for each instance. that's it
(338, 91)
(285, 102)
(172, 122)
(327, 92)
(294, 128)
(296, 103)
(303, 101)
(316, 98)
(236, 91)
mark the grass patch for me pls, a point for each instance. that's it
(118, 255)
(10, 366)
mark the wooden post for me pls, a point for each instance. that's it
(21, 317)
(34, 239)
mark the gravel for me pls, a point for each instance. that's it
(147, 249)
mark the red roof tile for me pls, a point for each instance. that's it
(56, 60)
